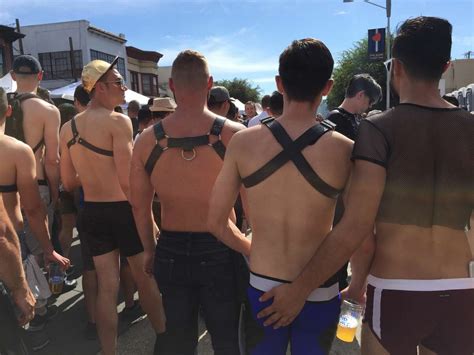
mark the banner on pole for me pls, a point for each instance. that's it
(376, 43)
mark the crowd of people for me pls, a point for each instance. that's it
(246, 221)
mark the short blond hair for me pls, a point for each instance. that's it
(190, 70)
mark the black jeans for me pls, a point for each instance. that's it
(195, 270)
(11, 336)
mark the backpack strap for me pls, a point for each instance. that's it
(292, 151)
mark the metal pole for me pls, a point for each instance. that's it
(389, 47)
(20, 40)
(71, 57)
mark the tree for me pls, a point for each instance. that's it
(241, 89)
(355, 61)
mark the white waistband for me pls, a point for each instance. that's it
(320, 294)
(421, 285)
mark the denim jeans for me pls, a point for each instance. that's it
(194, 271)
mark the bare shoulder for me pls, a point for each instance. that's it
(40, 107)
(14, 147)
(230, 129)
(65, 131)
(338, 144)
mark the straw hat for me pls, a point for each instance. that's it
(163, 104)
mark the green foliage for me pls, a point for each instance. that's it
(355, 61)
(241, 89)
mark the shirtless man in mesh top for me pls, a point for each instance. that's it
(413, 179)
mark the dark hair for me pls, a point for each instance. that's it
(265, 101)
(67, 112)
(81, 95)
(276, 103)
(305, 68)
(44, 94)
(367, 84)
(150, 101)
(232, 111)
(118, 109)
(144, 116)
(212, 104)
(423, 45)
(134, 106)
(160, 114)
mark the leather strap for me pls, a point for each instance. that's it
(292, 151)
(77, 139)
(187, 144)
(8, 188)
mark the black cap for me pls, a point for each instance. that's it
(26, 64)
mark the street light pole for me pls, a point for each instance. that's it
(388, 9)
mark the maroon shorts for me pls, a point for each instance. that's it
(437, 314)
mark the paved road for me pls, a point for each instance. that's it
(66, 330)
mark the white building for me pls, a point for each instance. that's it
(50, 44)
(164, 74)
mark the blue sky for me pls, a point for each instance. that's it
(241, 38)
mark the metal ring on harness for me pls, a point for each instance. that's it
(191, 158)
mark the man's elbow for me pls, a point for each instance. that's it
(213, 226)
(51, 162)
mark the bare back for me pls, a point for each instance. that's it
(41, 124)
(289, 217)
(184, 186)
(8, 149)
(98, 173)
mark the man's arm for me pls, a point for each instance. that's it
(365, 192)
(69, 177)
(224, 194)
(51, 141)
(141, 199)
(122, 147)
(32, 205)
(11, 269)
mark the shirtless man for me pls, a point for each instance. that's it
(41, 132)
(12, 279)
(413, 178)
(96, 149)
(302, 194)
(192, 268)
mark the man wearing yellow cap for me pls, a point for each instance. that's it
(96, 149)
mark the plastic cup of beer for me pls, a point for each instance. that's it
(56, 279)
(349, 319)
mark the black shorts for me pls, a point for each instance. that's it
(109, 226)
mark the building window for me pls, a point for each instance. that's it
(149, 85)
(109, 59)
(57, 65)
(3, 69)
(134, 81)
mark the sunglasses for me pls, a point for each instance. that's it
(388, 64)
(120, 82)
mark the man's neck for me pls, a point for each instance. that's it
(2, 127)
(23, 89)
(348, 106)
(299, 111)
(421, 93)
(97, 104)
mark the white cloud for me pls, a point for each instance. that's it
(227, 54)
(340, 13)
(270, 79)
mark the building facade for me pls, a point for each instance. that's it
(143, 71)
(51, 45)
(8, 36)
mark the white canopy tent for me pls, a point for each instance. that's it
(67, 93)
(8, 83)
